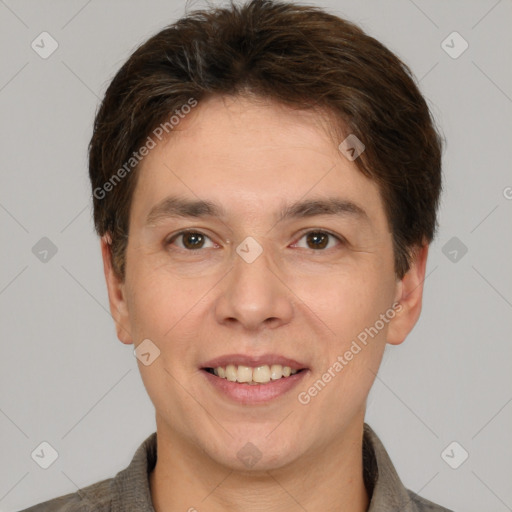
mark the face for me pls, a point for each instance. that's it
(281, 267)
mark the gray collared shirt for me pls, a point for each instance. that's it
(129, 490)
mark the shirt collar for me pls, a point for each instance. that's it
(131, 491)
(381, 479)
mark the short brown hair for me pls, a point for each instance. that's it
(299, 56)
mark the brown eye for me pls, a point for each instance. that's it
(190, 240)
(318, 240)
(193, 240)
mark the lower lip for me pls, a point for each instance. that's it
(255, 394)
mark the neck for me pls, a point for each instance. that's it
(331, 479)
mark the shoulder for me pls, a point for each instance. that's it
(128, 490)
(96, 497)
(424, 505)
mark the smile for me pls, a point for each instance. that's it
(252, 375)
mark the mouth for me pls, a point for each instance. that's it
(253, 380)
(254, 376)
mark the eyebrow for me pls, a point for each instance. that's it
(174, 206)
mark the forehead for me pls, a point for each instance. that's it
(250, 155)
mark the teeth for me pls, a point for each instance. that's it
(244, 374)
(230, 372)
(259, 375)
(276, 371)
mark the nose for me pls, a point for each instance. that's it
(254, 295)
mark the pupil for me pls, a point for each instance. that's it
(193, 236)
(315, 237)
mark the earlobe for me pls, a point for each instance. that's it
(116, 296)
(409, 296)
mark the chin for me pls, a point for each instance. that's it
(254, 454)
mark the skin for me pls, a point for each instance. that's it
(296, 300)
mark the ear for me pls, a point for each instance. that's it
(116, 293)
(409, 296)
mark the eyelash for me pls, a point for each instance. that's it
(170, 240)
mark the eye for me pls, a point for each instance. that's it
(314, 239)
(318, 239)
(191, 240)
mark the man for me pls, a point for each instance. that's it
(265, 181)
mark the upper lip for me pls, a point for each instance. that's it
(253, 361)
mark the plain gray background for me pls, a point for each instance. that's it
(67, 380)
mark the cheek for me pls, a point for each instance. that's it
(161, 310)
(351, 305)
(159, 301)
(348, 302)
(355, 312)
